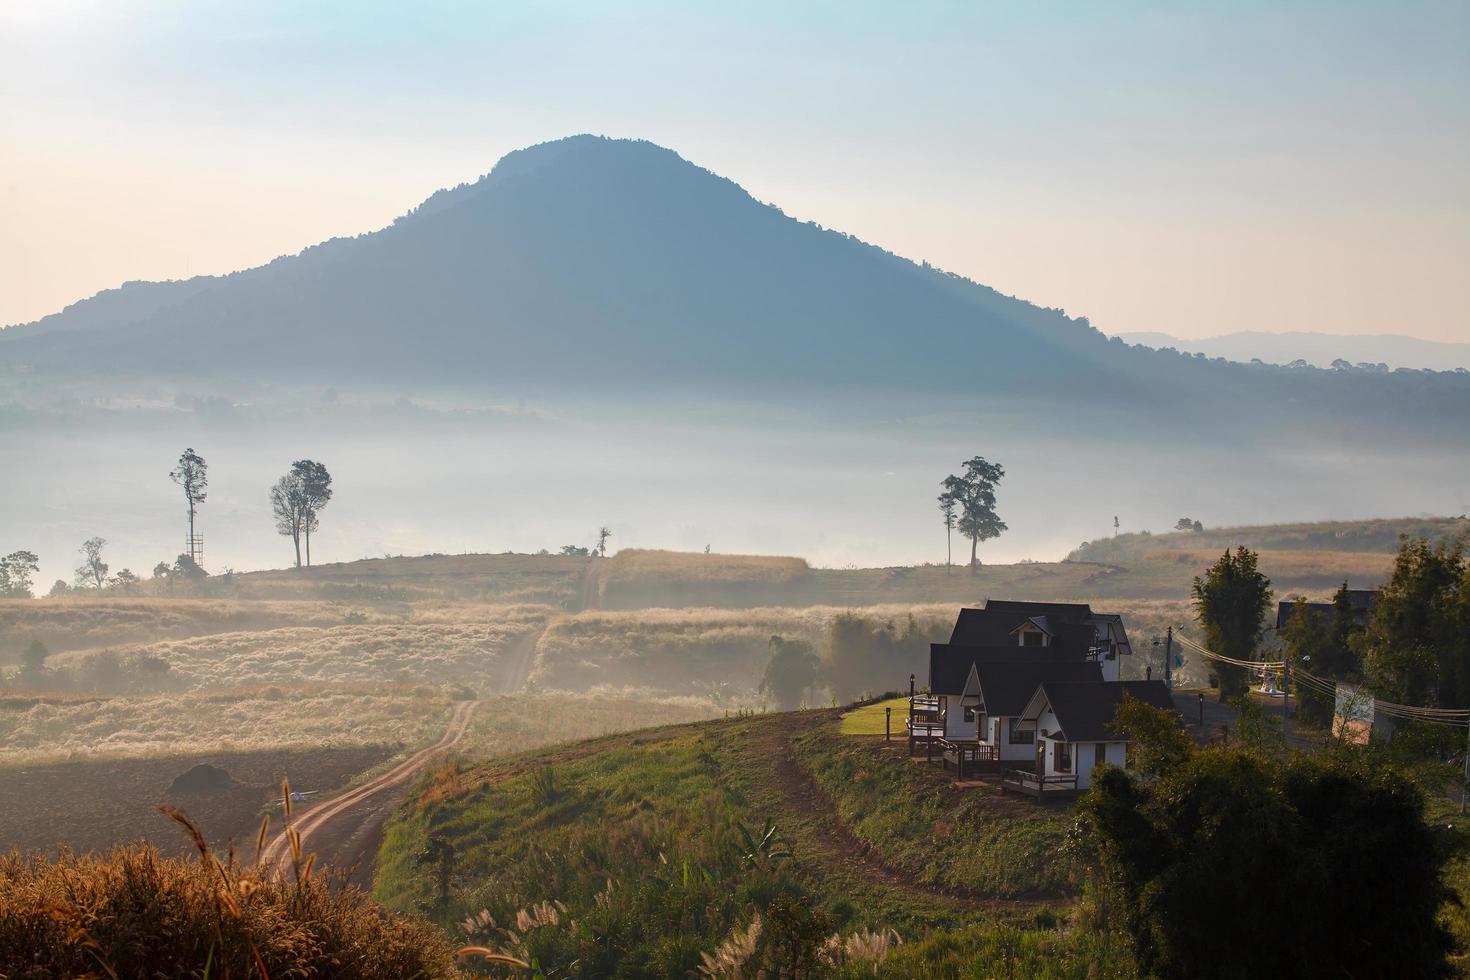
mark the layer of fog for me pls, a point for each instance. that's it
(663, 476)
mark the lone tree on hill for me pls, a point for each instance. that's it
(316, 490)
(602, 535)
(1187, 524)
(946, 508)
(296, 501)
(288, 506)
(192, 473)
(92, 572)
(973, 492)
(1231, 601)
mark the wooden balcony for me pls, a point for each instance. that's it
(1059, 786)
(925, 733)
(968, 757)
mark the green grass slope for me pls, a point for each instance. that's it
(630, 856)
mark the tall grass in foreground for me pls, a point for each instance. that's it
(131, 913)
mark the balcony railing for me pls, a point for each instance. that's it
(1035, 784)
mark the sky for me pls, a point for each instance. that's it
(1187, 168)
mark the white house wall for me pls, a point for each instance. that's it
(1084, 759)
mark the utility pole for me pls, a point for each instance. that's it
(1169, 658)
(1467, 774)
(1285, 695)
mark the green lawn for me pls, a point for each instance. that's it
(868, 720)
(640, 842)
(971, 841)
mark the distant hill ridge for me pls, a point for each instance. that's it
(1377, 535)
(1319, 349)
(616, 263)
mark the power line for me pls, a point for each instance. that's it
(1454, 717)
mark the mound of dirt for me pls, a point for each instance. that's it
(203, 778)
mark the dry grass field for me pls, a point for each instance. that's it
(551, 580)
(1381, 535)
(463, 653)
(330, 671)
(89, 773)
(716, 653)
(96, 805)
(84, 622)
(48, 729)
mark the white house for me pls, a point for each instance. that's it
(1073, 725)
(1023, 632)
(1003, 690)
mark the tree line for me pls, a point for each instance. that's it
(297, 500)
(1412, 645)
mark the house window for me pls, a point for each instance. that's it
(1102, 754)
(969, 713)
(1061, 756)
(1031, 638)
(1019, 735)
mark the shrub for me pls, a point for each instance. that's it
(1230, 845)
(132, 913)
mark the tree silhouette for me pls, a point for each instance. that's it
(191, 473)
(316, 491)
(92, 572)
(602, 535)
(17, 570)
(1231, 600)
(974, 493)
(288, 506)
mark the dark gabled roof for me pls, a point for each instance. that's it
(1061, 610)
(949, 665)
(1362, 601)
(1002, 617)
(1006, 686)
(1085, 711)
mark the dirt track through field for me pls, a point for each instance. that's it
(519, 661)
(334, 828)
(830, 848)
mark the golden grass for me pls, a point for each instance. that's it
(713, 652)
(358, 654)
(42, 730)
(1291, 565)
(639, 565)
(132, 913)
(86, 622)
(34, 731)
(543, 579)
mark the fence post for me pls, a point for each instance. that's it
(888, 723)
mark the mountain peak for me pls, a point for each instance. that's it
(584, 156)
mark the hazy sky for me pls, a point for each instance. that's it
(1221, 167)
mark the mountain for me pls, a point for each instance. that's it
(1319, 349)
(615, 265)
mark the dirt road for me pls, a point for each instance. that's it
(343, 831)
(519, 660)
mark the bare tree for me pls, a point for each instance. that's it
(192, 473)
(92, 572)
(288, 505)
(602, 535)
